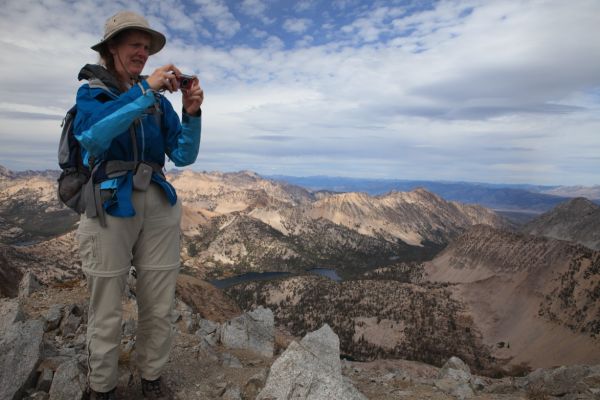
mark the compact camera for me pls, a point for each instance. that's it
(185, 81)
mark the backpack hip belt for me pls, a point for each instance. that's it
(92, 196)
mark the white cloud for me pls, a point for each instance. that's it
(257, 9)
(303, 5)
(296, 25)
(498, 94)
(218, 14)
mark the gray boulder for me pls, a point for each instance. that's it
(208, 330)
(11, 311)
(561, 381)
(232, 393)
(20, 354)
(72, 319)
(455, 363)
(455, 379)
(310, 370)
(45, 380)
(254, 331)
(69, 382)
(53, 317)
(254, 384)
(231, 361)
(28, 285)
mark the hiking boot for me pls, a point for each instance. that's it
(156, 390)
(103, 396)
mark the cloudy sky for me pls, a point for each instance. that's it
(491, 91)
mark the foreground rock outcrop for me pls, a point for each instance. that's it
(20, 349)
(43, 356)
(310, 370)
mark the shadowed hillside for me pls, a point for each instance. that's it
(528, 291)
(576, 220)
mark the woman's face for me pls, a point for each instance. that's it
(131, 53)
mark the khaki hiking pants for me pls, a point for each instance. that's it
(150, 241)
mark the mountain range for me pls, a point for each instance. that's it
(519, 202)
(425, 278)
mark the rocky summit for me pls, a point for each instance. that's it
(42, 343)
(435, 299)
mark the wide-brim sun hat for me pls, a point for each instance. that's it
(125, 20)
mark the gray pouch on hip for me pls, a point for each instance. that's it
(142, 177)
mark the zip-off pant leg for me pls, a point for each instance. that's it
(104, 330)
(150, 239)
(155, 296)
(156, 259)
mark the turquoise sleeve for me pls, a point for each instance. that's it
(188, 141)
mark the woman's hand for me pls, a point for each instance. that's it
(192, 98)
(164, 77)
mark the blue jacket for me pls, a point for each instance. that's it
(102, 123)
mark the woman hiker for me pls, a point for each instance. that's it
(125, 128)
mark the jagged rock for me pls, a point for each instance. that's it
(53, 317)
(502, 387)
(207, 350)
(231, 361)
(460, 390)
(72, 320)
(208, 330)
(455, 378)
(311, 370)
(28, 285)
(254, 384)
(20, 354)
(128, 327)
(11, 311)
(254, 331)
(232, 393)
(45, 380)
(593, 382)
(69, 382)
(457, 364)
(326, 344)
(188, 321)
(564, 380)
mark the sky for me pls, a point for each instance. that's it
(499, 91)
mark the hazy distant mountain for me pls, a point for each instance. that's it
(530, 292)
(589, 192)
(576, 220)
(498, 197)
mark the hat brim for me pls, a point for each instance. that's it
(157, 41)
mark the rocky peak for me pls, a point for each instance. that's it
(575, 220)
(577, 206)
(6, 173)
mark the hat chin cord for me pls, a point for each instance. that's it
(132, 78)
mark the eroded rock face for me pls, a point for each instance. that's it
(20, 354)
(69, 381)
(28, 285)
(252, 331)
(455, 379)
(311, 370)
(565, 380)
